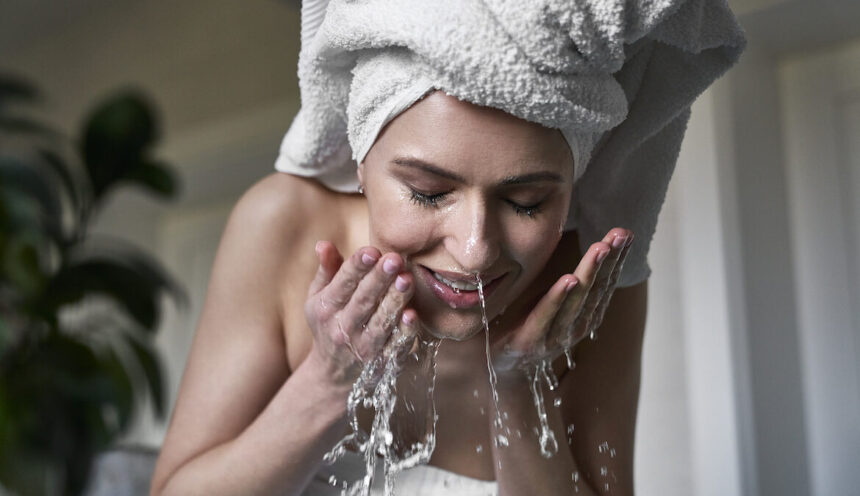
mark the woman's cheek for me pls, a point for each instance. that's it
(396, 226)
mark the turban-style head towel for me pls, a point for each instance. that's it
(617, 77)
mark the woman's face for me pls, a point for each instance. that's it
(462, 192)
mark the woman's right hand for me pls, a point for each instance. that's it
(353, 309)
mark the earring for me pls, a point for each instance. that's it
(360, 189)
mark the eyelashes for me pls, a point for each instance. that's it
(432, 201)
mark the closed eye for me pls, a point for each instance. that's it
(432, 201)
(425, 200)
(527, 210)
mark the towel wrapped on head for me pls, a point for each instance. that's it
(617, 77)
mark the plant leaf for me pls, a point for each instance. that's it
(132, 289)
(148, 358)
(22, 125)
(15, 88)
(128, 254)
(63, 172)
(116, 136)
(155, 177)
(21, 182)
(20, 265)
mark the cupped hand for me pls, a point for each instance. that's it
(569, 311)
(356, 310)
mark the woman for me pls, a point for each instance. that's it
(456, 191)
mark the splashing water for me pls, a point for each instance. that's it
(501, 438)
(376, 388)
(548, 443)
(542, 370)
(568, 354)
(386, 438)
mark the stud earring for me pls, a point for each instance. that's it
(360, 189)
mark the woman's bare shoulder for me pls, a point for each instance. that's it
(280, 219)
(282, 213)
(285, 203)
(239, 342)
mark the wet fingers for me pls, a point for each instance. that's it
(344, 284)
(538, 323)
(330, 261)
(387, 314)
(376, 289)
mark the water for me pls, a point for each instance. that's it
(376, 388)
(397, 418)
(568, 354)
(542, 372)
(548, 443)
(501, 438)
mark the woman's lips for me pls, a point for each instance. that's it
(456, 298)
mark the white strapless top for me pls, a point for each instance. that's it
(423, 480)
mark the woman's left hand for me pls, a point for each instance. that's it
(572, 308)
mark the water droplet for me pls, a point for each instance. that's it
(568, 354)
(548, 444)
(603, 471)
(548, 375)
(475, 393)
(332, 480)
(575, 476)
(479, 448)
(482, 411)
(612, 453)
(570, 429)
(556, 402)
(502, 440)
(604, 447)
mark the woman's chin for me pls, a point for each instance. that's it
(456, 331)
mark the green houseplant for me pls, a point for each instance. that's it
(78, 313)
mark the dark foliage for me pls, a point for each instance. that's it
(77, 314)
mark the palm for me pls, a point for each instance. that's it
(559, 309)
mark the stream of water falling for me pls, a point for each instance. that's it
(501, 437)
(376, 388)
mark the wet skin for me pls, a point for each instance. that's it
(264, 391)
(460, 190)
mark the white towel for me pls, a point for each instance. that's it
(617, 77)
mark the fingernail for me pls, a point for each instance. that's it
(390, 266)
(619, 241)
(367, 259)
(401, 283)
(630, 239)
(407, 318)
(318, 247)
(571, 285)
(601, 256)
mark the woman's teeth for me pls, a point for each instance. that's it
(459, 285)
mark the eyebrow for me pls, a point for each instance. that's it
(508, 181)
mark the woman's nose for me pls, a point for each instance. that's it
(475, 238)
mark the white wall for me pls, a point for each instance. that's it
(821, 103)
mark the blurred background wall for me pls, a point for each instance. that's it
(751, 382)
